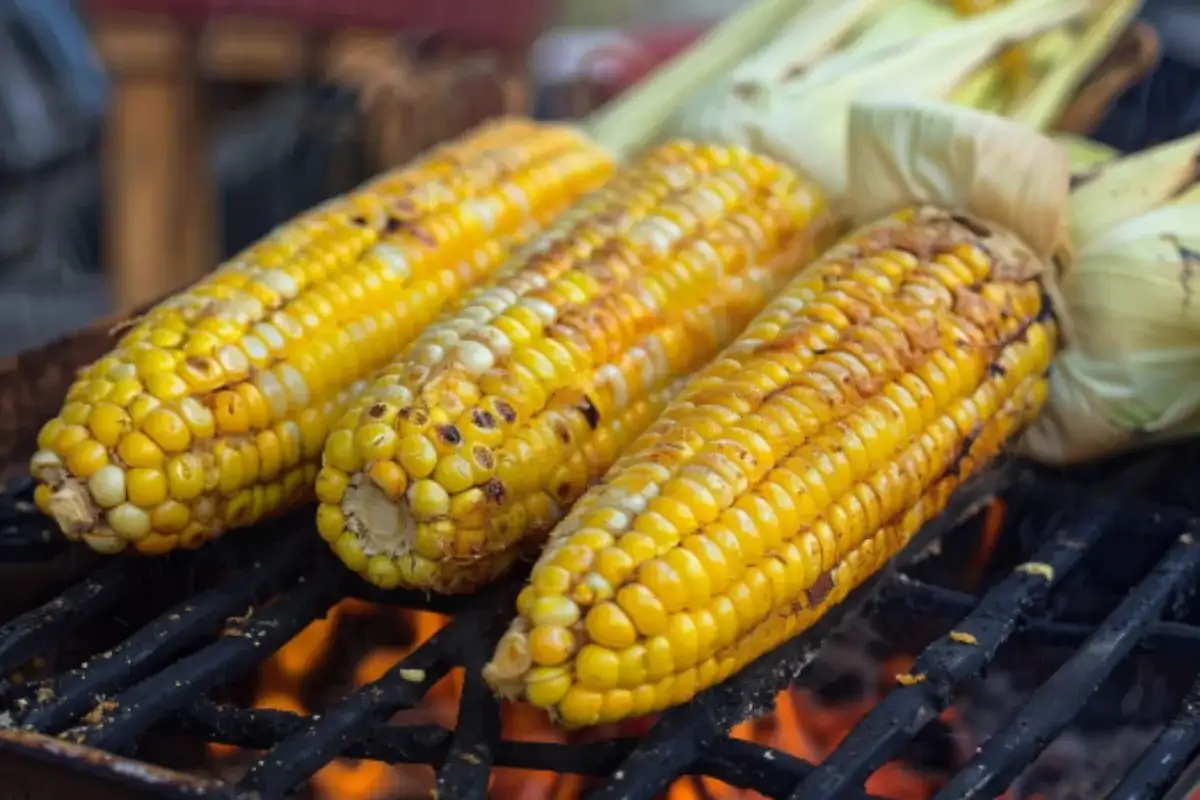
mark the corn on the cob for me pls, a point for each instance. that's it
(785, 473)
(798, 462)
(499, 416)
(212, 410)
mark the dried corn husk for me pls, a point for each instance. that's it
(1129, 373)
(905, 153)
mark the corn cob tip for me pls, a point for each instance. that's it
(68, 501)
(380, 524)
(506, 671)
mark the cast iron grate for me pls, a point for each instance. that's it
(164, 672)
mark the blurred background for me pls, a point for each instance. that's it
(141, 141)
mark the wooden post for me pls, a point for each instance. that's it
(158, 199)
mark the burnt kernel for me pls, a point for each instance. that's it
(449, 434)
(590, 412)
(564, 492)
(494, 491)
(483, 456)
(392, 225)
(377, 410)
(418, 415)
(483, 419)
(506, 412)
(971, 225)
(996, 370)
(561, 431)
(820, 589)
(360, 221)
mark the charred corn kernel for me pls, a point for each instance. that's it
(792, 468)
(528, 392)
(224, 394)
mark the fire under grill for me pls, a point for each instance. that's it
(1121, 535)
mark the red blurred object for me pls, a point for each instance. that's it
(510, 25)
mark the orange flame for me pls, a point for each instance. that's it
(801, 724)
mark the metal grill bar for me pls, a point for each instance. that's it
(33, 632)
(1173, 639)
(1165, 760)
(945, 664)
(468, 765)
(52, 705)
(320, 740)
(24, 536)
(746, 765)
(235, 652)
(1052, 706)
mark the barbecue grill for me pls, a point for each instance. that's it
(126, 663)
(85, 726)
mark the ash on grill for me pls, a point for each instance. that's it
(1048, 647)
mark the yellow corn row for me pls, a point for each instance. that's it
(474, 442)
(787, 471)
(211, 411)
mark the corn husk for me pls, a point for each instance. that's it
(1128, 374)
(803, 121)
(628, 123)
(910, 153)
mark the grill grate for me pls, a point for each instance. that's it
(163, 673)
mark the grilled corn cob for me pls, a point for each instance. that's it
(498, 417)
(793, 466)
(211, 411)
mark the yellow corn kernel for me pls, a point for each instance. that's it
(790, 470)
(222, 397)
(517, 402)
